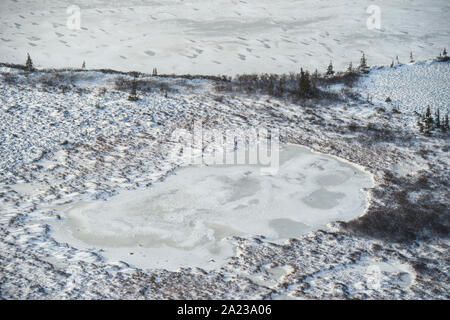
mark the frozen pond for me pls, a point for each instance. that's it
(187, 219)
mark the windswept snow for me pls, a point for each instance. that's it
(221, 36)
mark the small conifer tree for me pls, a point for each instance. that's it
(133, 94)
(280, 88)
(155, 72)
(270, 86)
(315, 75)
(438, 119)
(330, 70)
(304, 84)
(309, 83)
(29, 63)
(350, 67)
(420, 125)
(83, 66)
(444, 125)
(443, 56)
(363, 67)
(411, 58)
(428, 121)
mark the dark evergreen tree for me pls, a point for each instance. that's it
(270, 86)
(420, 125)
(445, 125)
(29, 63)
(309, 83)
(155, 72)
(304, 84)
(330, 70)
(350, 67)
(398, 61)
(411, 58)
(83, 66)
(392, 64)
(438, 119)
(280, 88)
(363, 67)
(428, 121)
(443, 56)
(133, 94)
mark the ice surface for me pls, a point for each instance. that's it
(187, 219)
(221, 36)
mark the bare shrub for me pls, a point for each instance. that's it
(10, 78)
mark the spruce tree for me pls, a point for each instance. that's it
(363, 67)
(398, 61)
(315, 75)
(443, 56)
(270, 86)
(428, 121)
(350, 67)
(83, 66)
(330, 70)
(304, 84)
(309, 84)
(411, 58)
(280, 88)
(301, 88)
(29, 63)
(133, 95)
(420, 125)
(438, 119)
(155, 72)
(392, 64)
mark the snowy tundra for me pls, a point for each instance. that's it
(69, 136)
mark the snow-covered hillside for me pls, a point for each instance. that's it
(222, 36)
(85, 141)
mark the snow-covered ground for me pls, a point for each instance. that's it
(62, 147)
(411, 87)
(221, 36)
